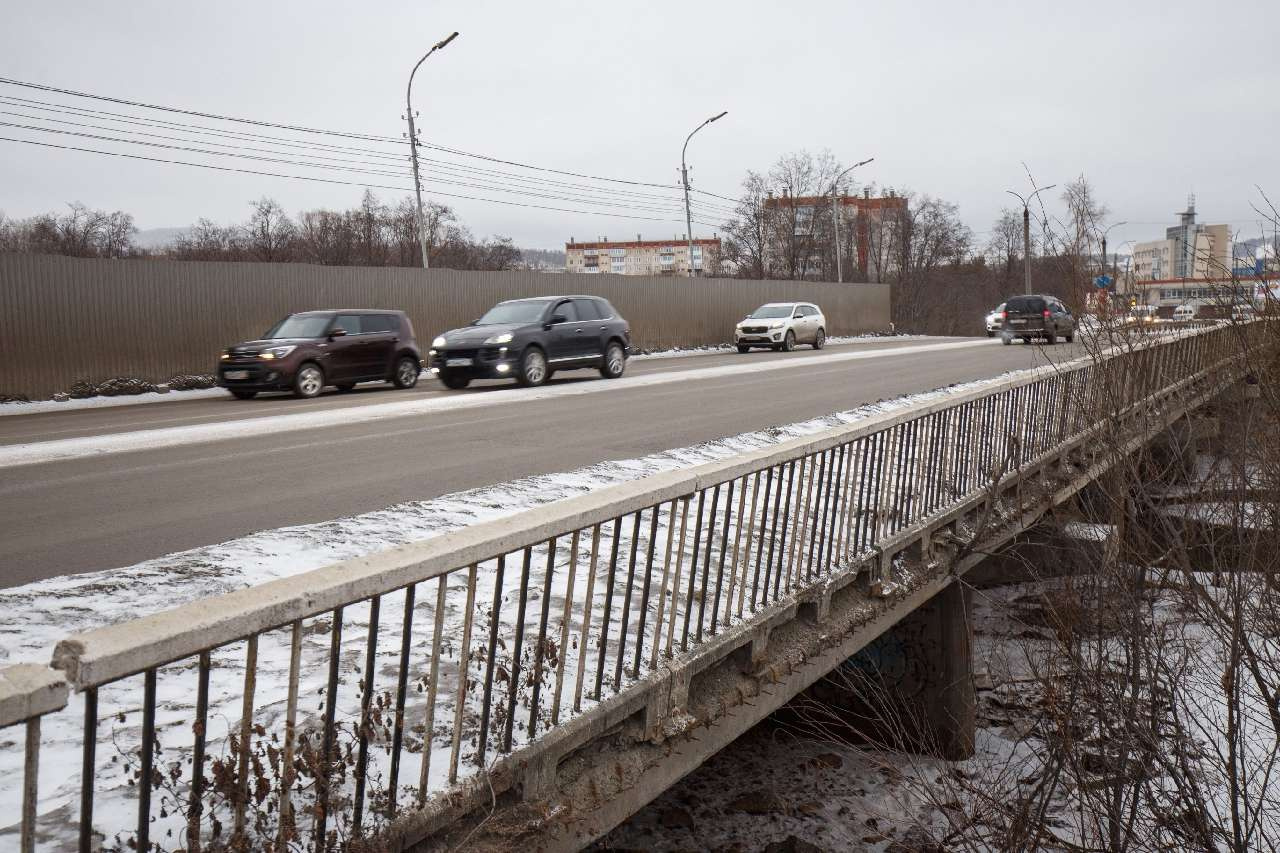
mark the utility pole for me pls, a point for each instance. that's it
(1026, 234)
(684, 178)
(835, 214)
(413, 146)
(1105, 232)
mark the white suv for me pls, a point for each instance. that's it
(782, 325)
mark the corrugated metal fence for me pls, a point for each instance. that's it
(64, 320)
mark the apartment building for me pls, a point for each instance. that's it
(1189, 250)
(643, 257)
(802, 228)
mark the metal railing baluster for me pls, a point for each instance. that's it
(491, 653)
(539, 652)
(464, 666)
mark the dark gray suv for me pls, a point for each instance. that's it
(530, 339)
(1036, 316)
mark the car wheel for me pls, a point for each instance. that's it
(990, 334)
(743, 349)
(244, 395)
(454, 381)
(309, 382)
(344, 386)
(406, 375)
(615, 361)
(533, 367)
(1070, 338)
(820, 340)
(789, 342)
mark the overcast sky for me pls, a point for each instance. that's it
(1150, 100)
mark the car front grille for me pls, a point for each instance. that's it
(755, 330)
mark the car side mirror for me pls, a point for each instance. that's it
(475, 322)
(558, 318)
(337, 333)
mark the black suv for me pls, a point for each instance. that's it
(305, 352)
(530, 339)
(1037, 316)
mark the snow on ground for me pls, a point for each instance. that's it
(775, 786)
(151, 439)
(37, 615)
(42, 406)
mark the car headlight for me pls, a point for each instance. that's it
(777, 325)
(504, 338)
(438, 342)
(225, 356)
(276, 352)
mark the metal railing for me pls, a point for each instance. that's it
(316, 709)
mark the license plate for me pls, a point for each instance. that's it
(236, 374)
(457, 362)
(1018, 322)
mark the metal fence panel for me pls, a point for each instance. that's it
(64, 320)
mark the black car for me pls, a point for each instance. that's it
(307, 351)
(1036, 316)
(530, 339)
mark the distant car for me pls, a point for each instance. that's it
(1243, 311)
(305, 352)
(1036, 316)
(530, 339)
(994, 320)
(1183, 313)
(782, 325)
(1143, 315)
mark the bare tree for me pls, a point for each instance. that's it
(270, 233)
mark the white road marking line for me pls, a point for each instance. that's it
(16, 455)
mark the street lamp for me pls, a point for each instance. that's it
(1026, 233)
(835, 214)
(1105, 232)
(413, 145)
(684, 176)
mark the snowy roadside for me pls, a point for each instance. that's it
(18, 407)
(151, 439)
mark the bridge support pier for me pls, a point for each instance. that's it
(912, 687)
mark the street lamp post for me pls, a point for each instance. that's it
(684, 177)
(1026, 233)
(1105, 232)
(835, 214)
(413, 146)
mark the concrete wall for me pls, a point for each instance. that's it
(69, 319)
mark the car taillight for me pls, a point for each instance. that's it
(1046, 313)
(1004, 315)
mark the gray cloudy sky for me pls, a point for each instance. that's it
(1150, 100)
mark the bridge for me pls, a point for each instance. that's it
(548, 673)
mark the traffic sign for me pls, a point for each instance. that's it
(1103, 281)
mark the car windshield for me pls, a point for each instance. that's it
(522, 311)
(300, 326)
(771, 312)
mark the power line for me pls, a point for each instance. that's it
(578, 199)
(331, 180)
(197, 131)
(335, 133)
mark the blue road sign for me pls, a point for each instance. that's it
(1103, 281)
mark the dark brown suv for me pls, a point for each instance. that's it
(305, 352)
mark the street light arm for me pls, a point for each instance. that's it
(836, 182)
(440, 45)
(685, 147)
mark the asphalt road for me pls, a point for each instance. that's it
(114, 510)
